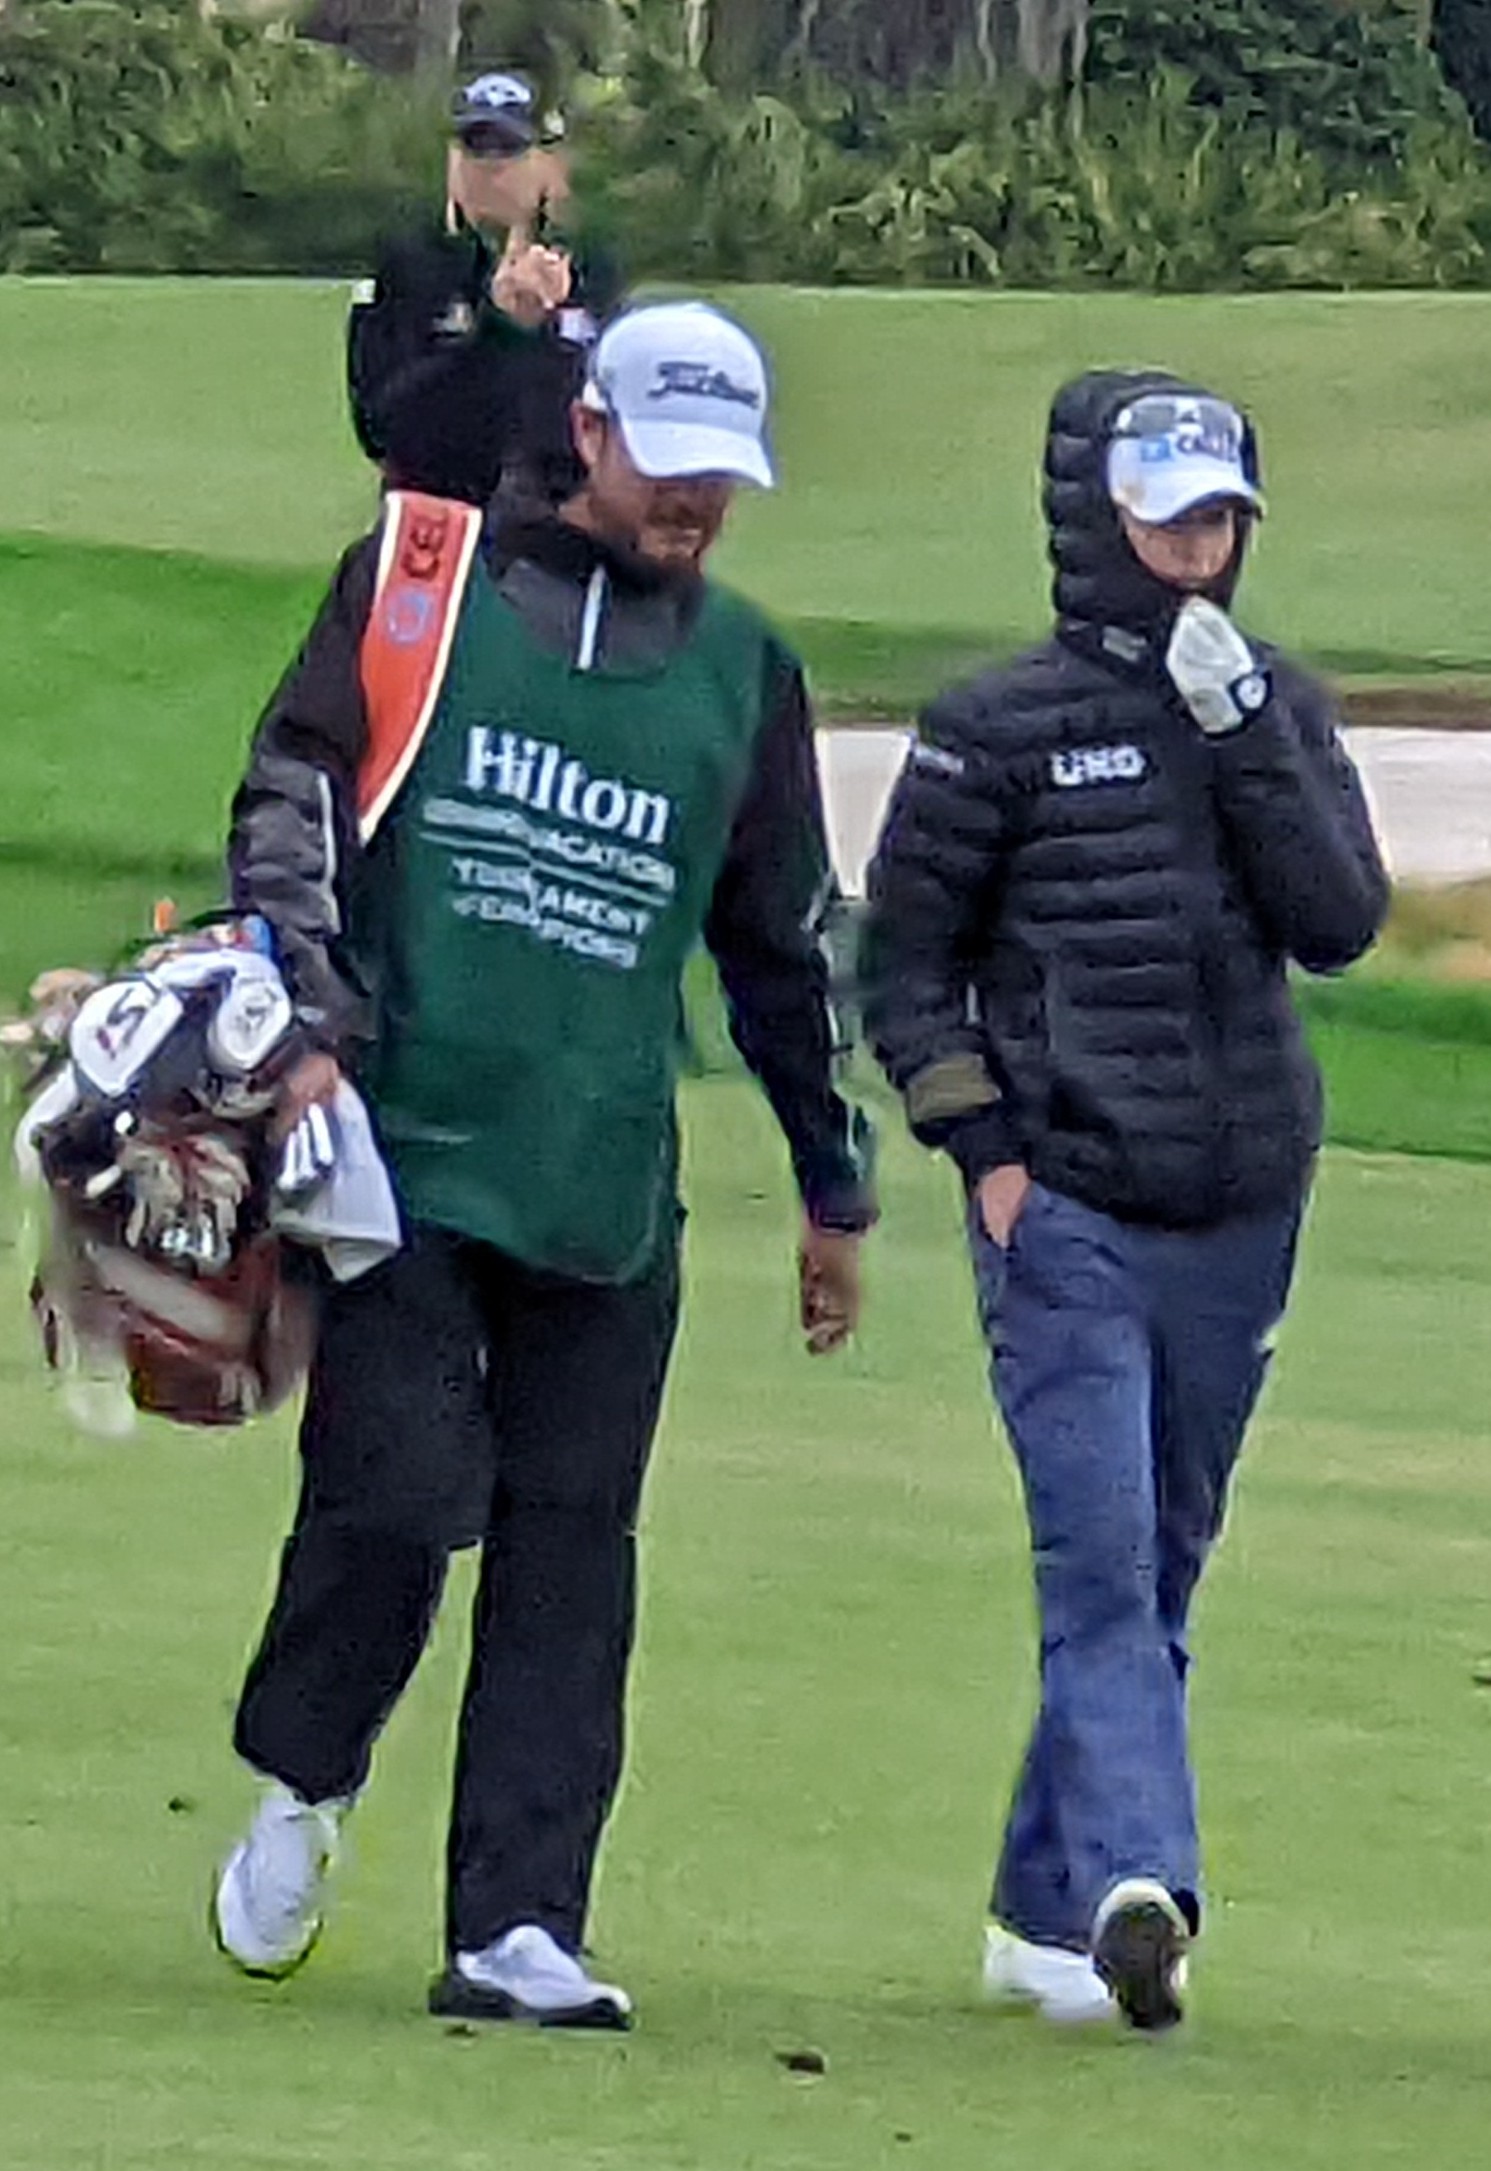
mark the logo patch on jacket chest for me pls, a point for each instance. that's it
(1075, 765)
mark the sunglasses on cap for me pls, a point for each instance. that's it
(492, 140)
(1170, 451)
(508, 135)
(1169, 426)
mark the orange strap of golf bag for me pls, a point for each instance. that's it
(424, 561)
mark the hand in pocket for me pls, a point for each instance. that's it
(1002, 1196)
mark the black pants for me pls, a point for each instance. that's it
(457, 1396)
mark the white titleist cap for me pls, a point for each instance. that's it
(687, 389)
(1172, 451)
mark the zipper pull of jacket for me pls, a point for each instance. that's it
(591, 619)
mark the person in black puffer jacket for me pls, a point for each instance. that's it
(1095, 873)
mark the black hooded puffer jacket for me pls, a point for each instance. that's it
(1082, 908)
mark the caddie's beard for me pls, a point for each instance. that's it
(678, 530)
(676, 550)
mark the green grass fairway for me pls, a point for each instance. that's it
(836, 1663)
(835, 1672)
(208, 417)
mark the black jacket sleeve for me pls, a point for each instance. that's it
(294, 828)
(765, 929)
(931, 880)
(436, 375)
(1298, 828)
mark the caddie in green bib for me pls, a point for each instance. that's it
(508, 786)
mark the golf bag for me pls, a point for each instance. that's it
(152, 1136)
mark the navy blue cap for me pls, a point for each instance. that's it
(497, 116)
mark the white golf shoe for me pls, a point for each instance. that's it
(527, 1976)
(267, 1909)
(1140, 1942)
(1061, 1986)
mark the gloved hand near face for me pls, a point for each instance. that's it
(1215, 672)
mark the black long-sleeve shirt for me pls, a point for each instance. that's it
(448, 394)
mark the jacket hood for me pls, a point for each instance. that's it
(1106, 603)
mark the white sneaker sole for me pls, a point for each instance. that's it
(452, 1997)
(1081, 2006)
(1019, 2005)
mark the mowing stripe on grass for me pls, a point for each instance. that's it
(209, 415)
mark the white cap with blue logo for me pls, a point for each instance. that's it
(1174, 450)
(687, 389)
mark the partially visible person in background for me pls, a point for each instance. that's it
(467, 346)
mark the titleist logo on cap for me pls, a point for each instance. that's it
(702, 381)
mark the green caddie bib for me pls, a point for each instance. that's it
(525, 912)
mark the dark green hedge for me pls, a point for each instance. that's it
(1462, 44)
(1233, 143)
(147, 137)
(1355, 85)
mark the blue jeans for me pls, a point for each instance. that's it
(1126, 1364)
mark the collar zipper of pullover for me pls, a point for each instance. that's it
(596, 594)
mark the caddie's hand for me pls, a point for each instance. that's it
(312, 1082)
(1217, 675)
(1001, 1201)
(829, 1288)
(531, 282)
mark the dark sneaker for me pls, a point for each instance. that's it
(527, 1976)
(1140, 1939)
